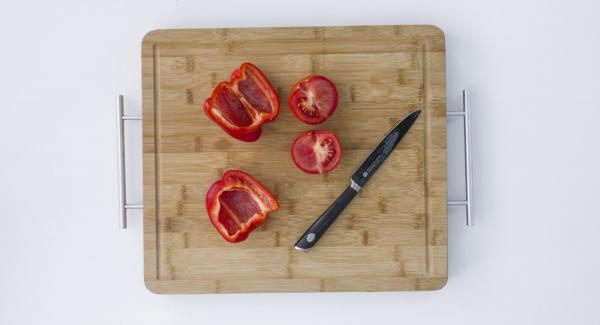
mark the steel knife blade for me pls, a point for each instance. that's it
(359, 178)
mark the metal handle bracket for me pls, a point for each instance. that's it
(121, 118)
(466, 115)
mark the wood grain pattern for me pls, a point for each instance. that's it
(392, 237)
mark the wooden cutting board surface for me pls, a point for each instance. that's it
(393, 236)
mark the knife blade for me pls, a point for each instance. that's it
(359, 178)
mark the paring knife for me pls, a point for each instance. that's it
(360, 177)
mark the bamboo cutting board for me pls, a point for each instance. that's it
(393, 236)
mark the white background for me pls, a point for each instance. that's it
(533, 70)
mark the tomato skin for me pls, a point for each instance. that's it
(249, 118)
(316, 152)
(313, 99)
(237, 180)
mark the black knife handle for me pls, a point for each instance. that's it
(319, 227)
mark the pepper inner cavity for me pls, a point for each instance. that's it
(237, 207)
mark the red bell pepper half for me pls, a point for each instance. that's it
(238, 204)
(243, 104)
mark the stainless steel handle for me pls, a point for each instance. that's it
(121, 118)
(466, 115)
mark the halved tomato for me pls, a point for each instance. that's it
(313, 99)
(317, 152)
(243, 104)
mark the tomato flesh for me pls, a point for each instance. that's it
(317, 152)
(313, 99)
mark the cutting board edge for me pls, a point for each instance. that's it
(320, 285)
